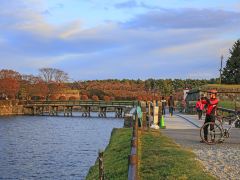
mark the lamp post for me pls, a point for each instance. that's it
(220, 70)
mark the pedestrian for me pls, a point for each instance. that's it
(164, 103)
(210, 111)
(199, 107)
(183, 106)
(171, 105)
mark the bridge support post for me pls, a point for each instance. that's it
(102, 112)
(53, 110)
(68, 110)
(41, 110)
(34, 110)
(118, 112)
(86, 111)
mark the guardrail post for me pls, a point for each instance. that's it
(101, 167)
(144, 115)
(133, 157)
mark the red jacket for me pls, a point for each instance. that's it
(211, 106)
(199, 105)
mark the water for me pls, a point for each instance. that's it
(51, 147)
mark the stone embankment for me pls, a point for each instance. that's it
(11, 107)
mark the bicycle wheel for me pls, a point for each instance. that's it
(214, 133)
(237, 124)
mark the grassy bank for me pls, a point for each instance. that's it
(115, 156)
(227, 104)
(161, 158)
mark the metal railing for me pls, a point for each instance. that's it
(84, 103)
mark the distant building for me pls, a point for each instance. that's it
(185, 91)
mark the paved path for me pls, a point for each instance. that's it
(222, 160)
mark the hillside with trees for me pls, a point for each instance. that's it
(50, 82)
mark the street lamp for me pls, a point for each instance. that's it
(220, 70)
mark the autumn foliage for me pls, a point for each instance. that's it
(63, 98)
(107, 98)
(72, 98)
(9, 83)
(52, 83)
(84, 97)
(95, 98)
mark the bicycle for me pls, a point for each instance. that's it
(216, 133)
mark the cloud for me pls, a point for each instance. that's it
(160, 44)
(49, 10)
(126, 4)
(133, 4)
(184, 18)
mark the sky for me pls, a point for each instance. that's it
(117, 39)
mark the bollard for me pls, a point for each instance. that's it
(101, 167)
(162, 123)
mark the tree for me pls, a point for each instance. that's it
(39, 89)
(231, 73)
(72, 98)
(84, 97)
(62, 98)
(47, 74)
(60, 76)
(10, 87)
(95, 98)
(7, 73)
(106, 98)
(53, 75)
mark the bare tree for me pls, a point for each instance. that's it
(60, 76)
(53, 75)
(31, 79)
(47, 74)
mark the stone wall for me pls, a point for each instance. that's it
(11, 107)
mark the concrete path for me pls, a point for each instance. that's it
(222, 160)
(179, 121)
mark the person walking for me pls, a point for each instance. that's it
(164, 103)
(210, 111)
(199, 107)
(171, 105)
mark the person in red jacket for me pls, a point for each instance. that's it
(199, 107)
(210, 111)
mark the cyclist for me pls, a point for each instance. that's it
(210, 111)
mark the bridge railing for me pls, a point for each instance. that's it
(87, 103)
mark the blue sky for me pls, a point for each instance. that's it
(92, 39)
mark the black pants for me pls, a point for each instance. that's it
(199, 114)
(209, 118)
(171, 110)
(163, 110)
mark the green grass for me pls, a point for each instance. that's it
(161, 158)
(227, 104)
(115, 156)
(225, 86)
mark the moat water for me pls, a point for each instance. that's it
(42, 147)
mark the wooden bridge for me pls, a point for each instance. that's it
(52, 108)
